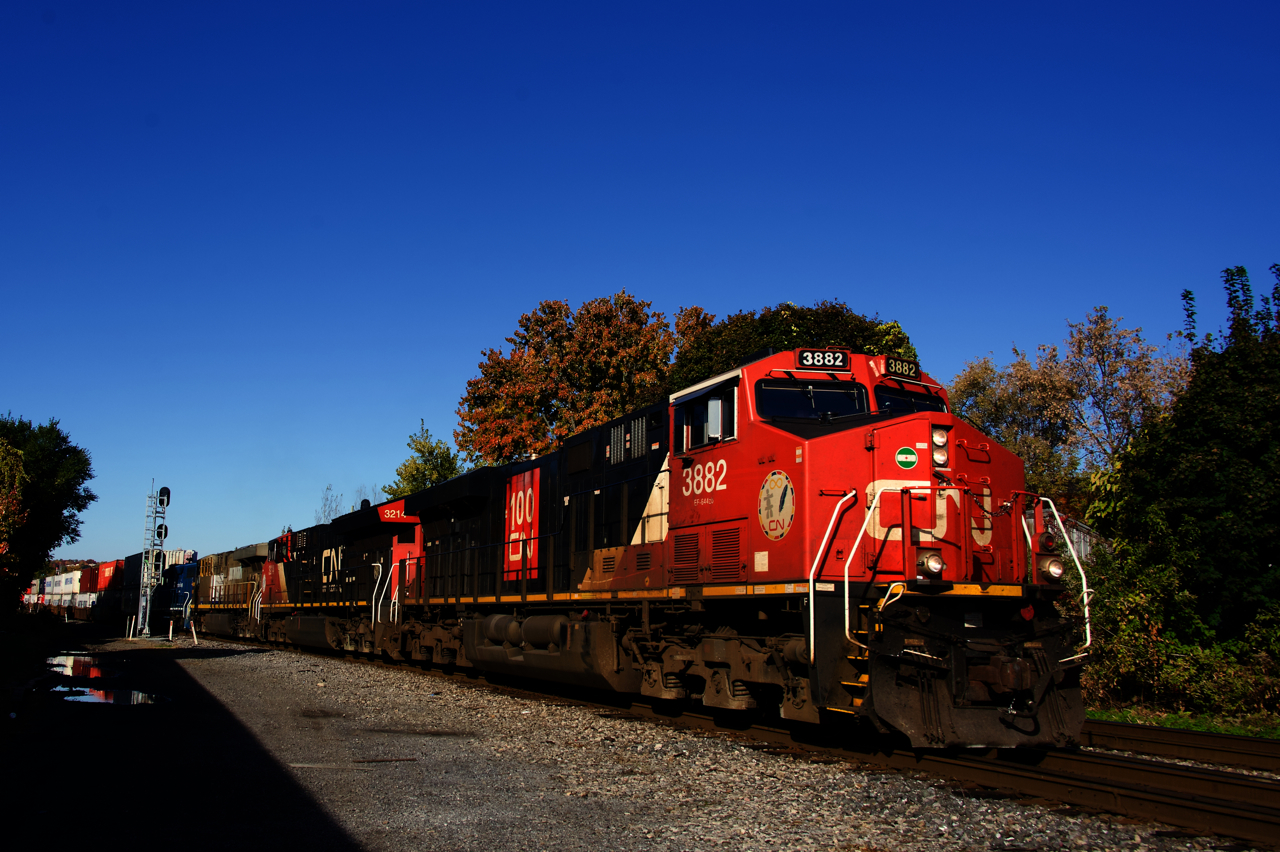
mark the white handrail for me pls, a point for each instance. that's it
(875, 501)
(871, 512)
(817, 559)
(375, 599)
(1085, 592)
(896, 586)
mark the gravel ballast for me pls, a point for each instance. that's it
(405, 760)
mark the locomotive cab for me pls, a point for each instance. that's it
(929, 602)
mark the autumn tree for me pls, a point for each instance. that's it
(432, 462)
(1073, 410)
(565, 371)
(1117, 384)
(1019, 406)
(53, 494)
(707, 348)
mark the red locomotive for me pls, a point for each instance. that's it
(812, 533)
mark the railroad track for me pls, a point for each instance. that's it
(1201, 799)
(1205, 800)
(1253, 752)
(1197, 798)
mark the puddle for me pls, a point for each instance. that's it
(77, 665)
(108, 696)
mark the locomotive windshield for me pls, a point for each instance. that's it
(891, 400)
(801, 400)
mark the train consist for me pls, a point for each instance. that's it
(813, 534)
(107, 591)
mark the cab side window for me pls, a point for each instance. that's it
(707, 418)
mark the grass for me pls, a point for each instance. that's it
(1257, 725)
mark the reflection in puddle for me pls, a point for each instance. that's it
(86, 665)
(109, 696)
(76, 665)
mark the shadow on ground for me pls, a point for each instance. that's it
(182, 772)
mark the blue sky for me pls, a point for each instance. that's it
(245, 247)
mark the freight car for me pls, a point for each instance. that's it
(108, 591)
(813, 534)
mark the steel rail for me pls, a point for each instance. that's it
(1200, 746)
(1203, 799)
(1255, 822)
(1173, 777)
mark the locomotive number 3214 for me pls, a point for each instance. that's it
(704, 478)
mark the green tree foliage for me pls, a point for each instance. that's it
(1152, 648)
(1188, 594)
(432, 462)
(12, 515)
(707, 347)
(53, 494)
(565, 371)
(1197, 495)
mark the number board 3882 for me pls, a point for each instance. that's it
(901, 368)
(827, 360)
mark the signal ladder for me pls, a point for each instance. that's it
(152, 555)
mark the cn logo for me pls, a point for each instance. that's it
(776, 508)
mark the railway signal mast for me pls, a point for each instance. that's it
(152, 555)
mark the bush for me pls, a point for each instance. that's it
(1151, 649)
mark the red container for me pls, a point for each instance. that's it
(107, 578)
(89, 578)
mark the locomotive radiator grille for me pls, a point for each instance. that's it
(685, 564)
(639, 441)
(726, 555)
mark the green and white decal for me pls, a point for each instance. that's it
(906, 458)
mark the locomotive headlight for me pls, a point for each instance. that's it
(1053, 569)
(940, 456)
(932, 562)
(939, 437)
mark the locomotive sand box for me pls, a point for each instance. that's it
(813, 532)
